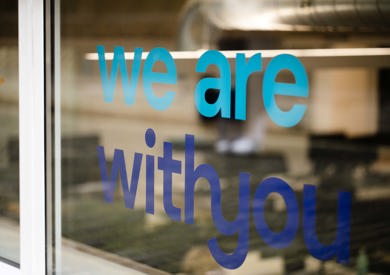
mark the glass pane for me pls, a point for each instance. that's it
(9, 134)
(153, 180)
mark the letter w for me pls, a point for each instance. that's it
(119, 61)
(119, 165)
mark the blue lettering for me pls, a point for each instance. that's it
(340, 246)
(286, 236)
(222, 83)
(192, 175)
(243, 71)
(240, 226)
(272, 88)
(119, 62)
(168, 165)
(150, 140)
(150, 77)
(119, 165)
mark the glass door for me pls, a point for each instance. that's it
(190, 144)
(160, 138)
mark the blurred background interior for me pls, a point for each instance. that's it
(343, 142)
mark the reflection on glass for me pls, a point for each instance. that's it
(9, 133)
(338, 147)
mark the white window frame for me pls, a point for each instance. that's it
(32, 141)
(32, 137)
(9, 269)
